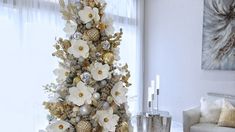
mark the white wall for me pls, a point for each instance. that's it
(173, 44)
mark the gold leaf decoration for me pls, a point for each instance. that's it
(60, 110)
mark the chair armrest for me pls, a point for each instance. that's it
(191, 117)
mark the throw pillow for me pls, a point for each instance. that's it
(227, 116)
(210, 110)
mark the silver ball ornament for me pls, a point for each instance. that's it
(80, 59)
(103, 83)
(77, 35)
(88, 25)
(96, 96)
(85, 77)
(98, 54)
(85, 110)
(106, 45)
(105, 105)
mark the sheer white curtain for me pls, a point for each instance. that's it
(27, 32)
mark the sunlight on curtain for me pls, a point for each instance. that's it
(27, 30)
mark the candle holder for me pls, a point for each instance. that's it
(153, 96)
(153, 122)
(158, 99)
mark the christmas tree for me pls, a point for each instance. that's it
(90, 93)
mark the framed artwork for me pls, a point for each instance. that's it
(218, 45)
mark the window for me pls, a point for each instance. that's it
(27, 34)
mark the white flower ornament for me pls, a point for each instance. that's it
(70, 28)
(119, 93)
(88, 14)
(79, 48)
(108, 21)
(81, 94)
(58, 126)
(99, 71)
(107, 120)
(61, 73)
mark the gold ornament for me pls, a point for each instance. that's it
(76, 80)
(108, 57)
(102, 26)
(124, 127)
(66, 44)
(93, 34)
(83, 126)
(85, 37)
(110, 99)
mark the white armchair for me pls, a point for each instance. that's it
(191, 123)
(190, 118)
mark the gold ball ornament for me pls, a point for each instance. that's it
(102, 26)
(76, 80)
(83, 126)
(66, 44)
(93, 34)
(110, 99)
(108, 57)
(123, 128)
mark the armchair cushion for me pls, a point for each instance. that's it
(227, 116)
(210, 110)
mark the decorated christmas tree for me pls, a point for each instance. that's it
(90, 92)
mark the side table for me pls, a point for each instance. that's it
(159, 121)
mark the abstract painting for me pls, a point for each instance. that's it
(218, 48)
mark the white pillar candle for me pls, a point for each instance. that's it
(158, 82)
(149, 94)
(152, 87)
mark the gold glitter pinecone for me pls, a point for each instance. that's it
(83, 126)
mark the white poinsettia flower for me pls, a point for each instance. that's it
(70, 28)
(108, 21)
(107, 119)
(58, 126)
(119, 93)
(81, 94)
(88, 14)
(61, 73)
(99, 71)
(79, 48)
